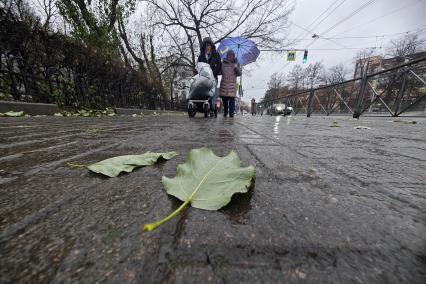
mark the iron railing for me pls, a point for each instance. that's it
(392, 91)
(74, 91)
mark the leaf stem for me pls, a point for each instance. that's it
(150, 227)
(76, 166)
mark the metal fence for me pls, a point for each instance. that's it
(75, 91)
(392, 92)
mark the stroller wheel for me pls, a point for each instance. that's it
(206, 108)
(191, 110)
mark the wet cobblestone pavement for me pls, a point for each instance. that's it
(330, 204)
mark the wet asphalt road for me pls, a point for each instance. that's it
(330, 205)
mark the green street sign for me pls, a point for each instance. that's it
(291, 56)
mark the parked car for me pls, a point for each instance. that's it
(279, 109)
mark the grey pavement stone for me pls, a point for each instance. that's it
(330, 205)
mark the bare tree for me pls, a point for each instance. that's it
(128, 45)
(91, 16)
(49, 11)
(19, 9)
(334, 75)
(148, 49)
(314, 74)
(6, 4)
(188, 21)
(400, 51)
(407, 45)
(276, 81)
(296, 78)
(364, 54)
(275, 84)
(362, 60)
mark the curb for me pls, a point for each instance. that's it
(29, 108)
(50, 109)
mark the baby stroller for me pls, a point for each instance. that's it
(201, 91)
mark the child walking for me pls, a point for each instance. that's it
(228, 86)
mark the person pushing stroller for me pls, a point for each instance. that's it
(208, 54)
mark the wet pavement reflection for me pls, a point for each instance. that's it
(330, 204)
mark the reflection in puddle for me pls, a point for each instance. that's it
(276, 126)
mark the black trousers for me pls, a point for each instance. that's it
(228, 105)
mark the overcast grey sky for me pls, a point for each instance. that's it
(380, 22)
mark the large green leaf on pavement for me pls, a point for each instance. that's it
(12, 113)
(207, 181)
(112, 167)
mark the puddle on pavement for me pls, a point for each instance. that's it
(240, 205)
(276, 127)
(225, 136)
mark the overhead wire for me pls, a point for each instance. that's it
(309, 29)
(420, 29)
(341, 21)
(316, 49)
(359, 9)
(382, 16)
(313, 22)
(331, 12)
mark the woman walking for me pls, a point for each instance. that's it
(253, 107)
(228, 86)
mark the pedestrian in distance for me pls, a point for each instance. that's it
(208, 54)
(253, 107)
(228, 86)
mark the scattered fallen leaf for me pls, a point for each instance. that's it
(206, 181)
(112, 167)
(404, 121)
(362, 127)
(335, 124)
(12, 114)
(87, 113)
(94, 131)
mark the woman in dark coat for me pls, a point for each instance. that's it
(208, 54)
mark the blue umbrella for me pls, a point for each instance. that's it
(245, 50)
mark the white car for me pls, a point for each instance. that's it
(280, 109)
